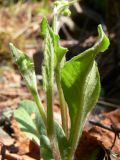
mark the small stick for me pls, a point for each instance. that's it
(113, 141)
(3, 152)
(111, 128)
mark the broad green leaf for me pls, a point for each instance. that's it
(81, 84)
(30, 122)
(26, 67)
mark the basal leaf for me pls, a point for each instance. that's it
(32, 110)
(45, 148)
(30, 122)
(81, 84)
(62, 141)
(27, 125)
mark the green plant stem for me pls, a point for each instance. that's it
(55, 22)
(47, 121)
(55, 148)
(50, 119)
(40, 106)
(77, 131)
(50, 122)
(63, 104)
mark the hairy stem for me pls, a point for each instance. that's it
(50, 122)
(55, 148)
(55, 21)
(40, 106)
(63, 105)
(77, 129)
(49, 95)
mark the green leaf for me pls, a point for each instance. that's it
(81, 84)
(45, 148)
(62, 141)
(26, 67)
(27, 125)
(52, 57)
(43, 26)
(31, 108)
(62, 7)
(30, 122)
(59, 51)
(48, 63)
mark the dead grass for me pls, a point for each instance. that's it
(19, 24)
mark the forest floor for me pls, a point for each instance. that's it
(101, 131)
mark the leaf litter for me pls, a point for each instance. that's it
(19, 147)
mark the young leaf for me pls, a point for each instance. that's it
(26, 67)
(52, 56)
(81, 85)
(59, 51)
(30, 122)
(48, 64)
